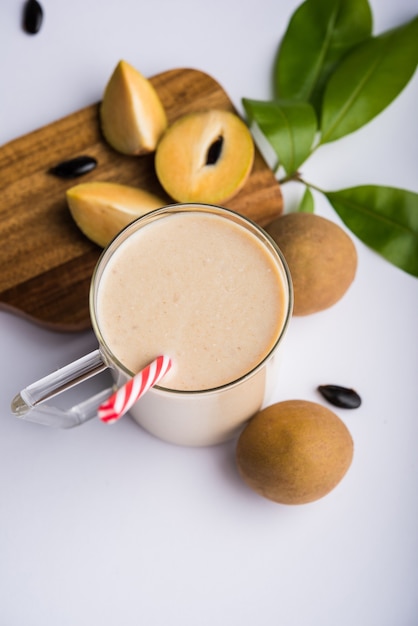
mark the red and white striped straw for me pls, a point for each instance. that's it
(122, 400)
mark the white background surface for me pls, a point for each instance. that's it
(108, 525)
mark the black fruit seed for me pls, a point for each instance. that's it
(74, 167)
(340, 396)
(32, 17)
(214, 151)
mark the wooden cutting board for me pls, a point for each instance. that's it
(45, 262)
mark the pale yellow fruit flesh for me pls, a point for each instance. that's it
(132, 115)
(181, 157)
(101, 210)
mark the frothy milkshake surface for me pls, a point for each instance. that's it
(198, 288)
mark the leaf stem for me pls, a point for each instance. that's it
(297, 178)
(311, 186)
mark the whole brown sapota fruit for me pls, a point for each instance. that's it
(294, 452)
(322, 259)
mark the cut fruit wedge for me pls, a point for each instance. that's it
(132, 115)
(101, 210)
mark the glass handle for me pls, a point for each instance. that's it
(31, 403)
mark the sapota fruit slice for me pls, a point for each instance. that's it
(205, 156)
(101, 210)
(132, 115)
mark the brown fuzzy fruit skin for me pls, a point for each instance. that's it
(322, 259)
(294, 452)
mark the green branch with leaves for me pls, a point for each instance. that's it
(331, 77)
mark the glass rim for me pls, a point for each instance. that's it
(172, 209)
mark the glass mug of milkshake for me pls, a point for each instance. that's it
(198, 283)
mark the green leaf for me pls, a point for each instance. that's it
(368, 79)
(384, 218)
(319, 33)
(290, 128)
(307, 204)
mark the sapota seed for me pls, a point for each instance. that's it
(340, 396)
(74, 167)
(32, 17)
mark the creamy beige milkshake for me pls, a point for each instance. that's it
(197, 288)
(207, 288)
